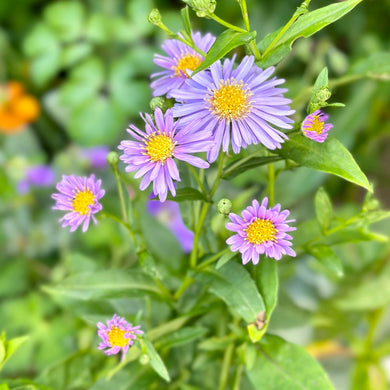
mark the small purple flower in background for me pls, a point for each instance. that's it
(180, 58)
(168, 213)
(118, 335)
(260, 231)
(238, 106)
(314, 126)
(37, 176)
(79, 196)
(153, 153)
(95, 156)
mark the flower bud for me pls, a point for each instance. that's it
(154, 17)
(323, 95)
(159, 102)
(113, 158)
(224, 206)
(203, 8)
(144, 359)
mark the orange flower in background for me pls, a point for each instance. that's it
(16, 107)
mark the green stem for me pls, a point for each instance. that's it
(194, 252)
(226, 24)
(271, 184)
(373, 321)
(227, 358)
(237, 377)
(252, 45)
(219, 175)
(300, 11)
(186, 282)
(198, 180)
(120, 192)
(212, 259)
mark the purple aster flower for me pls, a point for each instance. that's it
(237, 105)
(79, 196)
(168, 213)
(260, 231)
(153, 153)
(117, 335)
(95, 156)
(180, 59)
(314, 126)
(37, 176)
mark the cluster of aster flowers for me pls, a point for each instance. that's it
(223, 107)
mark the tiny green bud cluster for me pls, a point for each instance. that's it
(159, 102)
(203, 8)
(224, 206)
(154, 17)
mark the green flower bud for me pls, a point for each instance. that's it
(144, 359)
(113, 158)
(224, 206)
(159, 102)
(154, 17)
(323, 95)
(203, 8)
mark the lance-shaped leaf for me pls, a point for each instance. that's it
(156, 361)
(227, 283)
(105, 284)
(328, 258)
(280, 365)
(307, 25)
(330, 156)
(225, 42)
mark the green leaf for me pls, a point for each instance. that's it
(185, 18)
(10, 347)
(224, 259)
(186, 193)
(72, 54)
(307, 25)
(328, 258)
(105, 284)
(225, 42)
(318, 97)
(237, 167)
(330, 156)
(280, 365)
(268, 283)
(156, 361)
(227, 283)
(181, 337)
(371, 294)
(323, 207)
(376, 66)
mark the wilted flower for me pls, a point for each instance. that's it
(153, 153)
(237, 105)
(168, 213)
(79, 196)
(314, 126)
(260, 231)
(16, 107)
(118, 335)
(180, 59)
(36, 176)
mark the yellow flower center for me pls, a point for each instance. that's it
(82, 201)
(116, 337)
(317, 125)
(186, 61)
(260, 231)
(230, 100)
(159, 147)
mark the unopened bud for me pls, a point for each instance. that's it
(154, 17)
(113, 158)
(144, 359)
(224, 206)
(159, 102)
(323, 95)
(203, 8)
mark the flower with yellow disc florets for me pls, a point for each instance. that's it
(261, 230)
(314, 126)
(80, 197)
(153, 153)
(117, 335)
